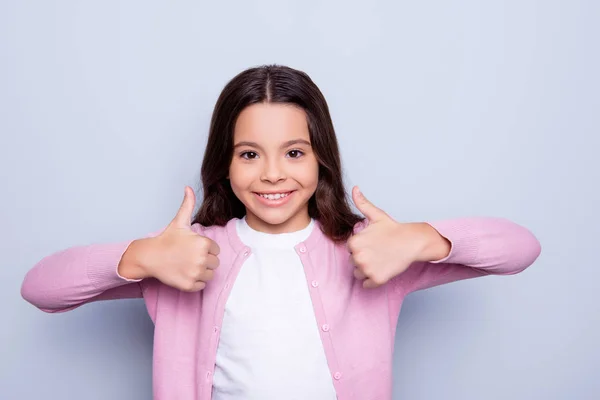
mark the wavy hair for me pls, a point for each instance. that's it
(274, 84)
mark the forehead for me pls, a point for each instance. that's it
(271, 123)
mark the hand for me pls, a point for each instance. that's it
(386, 248)
(178, 257)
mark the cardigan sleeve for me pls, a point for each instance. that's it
(480, 246)
(69, 278)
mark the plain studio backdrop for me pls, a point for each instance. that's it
(442, 110)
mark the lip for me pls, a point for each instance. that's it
(274, 203)
(275, 191)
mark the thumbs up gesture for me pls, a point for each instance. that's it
(386, 248)
(178, 257)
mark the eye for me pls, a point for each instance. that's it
(295, 153)
(249, 155)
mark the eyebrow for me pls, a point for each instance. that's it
(284, 145)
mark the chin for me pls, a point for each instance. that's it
(276, 217)
(281, 218)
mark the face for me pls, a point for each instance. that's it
(274, 171)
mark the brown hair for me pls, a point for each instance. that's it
(274, 84)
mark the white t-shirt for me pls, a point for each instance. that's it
(270, 347)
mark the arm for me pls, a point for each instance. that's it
(478, 247)
(179, 256)
(72, 277)
(416, 256)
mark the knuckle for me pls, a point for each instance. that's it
(360, 258)
(368, 270)
(352, 244)
(203, 243)
(195, 272)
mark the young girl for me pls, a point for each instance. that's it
(275, 289)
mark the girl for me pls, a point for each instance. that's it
(275, 289)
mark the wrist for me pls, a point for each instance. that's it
(131, 265)
(435, 247)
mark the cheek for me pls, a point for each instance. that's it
(310, 175)
(239, 176)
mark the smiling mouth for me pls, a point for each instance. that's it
(274, 196)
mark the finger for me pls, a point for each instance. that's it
(214, 248)
(193, 287)
(212, 262)
(352, 260)
(198, 286)
(369, 284)
(358, 274)
(183, 218)
(206, 275)
(366, 207)
(358, 260)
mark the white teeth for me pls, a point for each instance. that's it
(275, 196)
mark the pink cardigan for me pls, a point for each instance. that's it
(357, 325)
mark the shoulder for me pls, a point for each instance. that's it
(212, 231)
(342, 245)
(223, 235)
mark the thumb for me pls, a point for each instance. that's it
(183, 217)
(366, 207)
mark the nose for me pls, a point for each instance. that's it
(272, 172)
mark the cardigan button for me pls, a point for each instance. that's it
(325, 328)
(314, 283)
(337, 376)
(208, 376)
(303, 249)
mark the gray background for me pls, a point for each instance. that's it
(443, 109)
